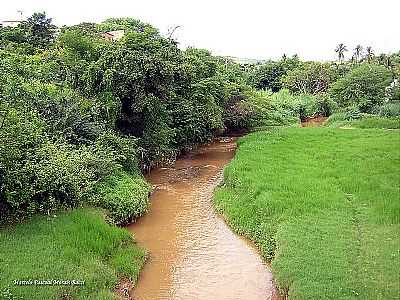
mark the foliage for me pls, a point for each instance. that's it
(37, 32)
(293, 192)
(364, 87)
(269, 75)
(99, 107)
(76, 245)
(284, 108)
(389, 109)
(311, 77)
(124, 196)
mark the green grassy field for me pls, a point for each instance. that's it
(77, 245)
(323, 204)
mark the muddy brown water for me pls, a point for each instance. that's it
(193, 254)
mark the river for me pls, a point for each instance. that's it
(193, 254)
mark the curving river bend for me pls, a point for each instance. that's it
(193, 254)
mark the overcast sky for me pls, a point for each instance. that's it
(246, 28)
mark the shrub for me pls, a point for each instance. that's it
(40, 175)
(363, 87)
(124, 149)
(389, 109)
(283, 108)
(125, 196)
(20, 133)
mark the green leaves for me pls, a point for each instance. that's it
(86, 108)
(311, 77)
(364, 87)
(124, 196)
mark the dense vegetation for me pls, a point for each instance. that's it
(82, 117)
(80, 113)
(78, 109)
(323, 203)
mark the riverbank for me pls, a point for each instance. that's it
(322, 204)
(74, 255)
(193, 254)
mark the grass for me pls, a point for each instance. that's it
(367, 121)
(323, 205)
(76, 245)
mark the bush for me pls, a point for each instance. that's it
(283, 108)
(40, 175)
(389, 109)
(363, 87)
(125, 196)
(123, 149)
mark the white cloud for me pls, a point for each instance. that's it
(252, 28)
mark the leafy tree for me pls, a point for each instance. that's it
(363, 87)
(34, 34)
(40, 30)
(310, 77)
(269, 76)
(128, 24)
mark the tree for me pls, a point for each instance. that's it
(369, 54)
(358, 52)
(40, 30)
(309, 77)
(269, 75)
(340, 49)
(364, 87)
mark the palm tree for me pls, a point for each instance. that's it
(385, 60)
(370, 54)
(340, 49)
(358, 52)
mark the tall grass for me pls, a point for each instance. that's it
(323, 205)
(77, 245)
(364, 121)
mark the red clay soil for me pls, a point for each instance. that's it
(124, 289)
(313, 122)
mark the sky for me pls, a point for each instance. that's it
(261, 29)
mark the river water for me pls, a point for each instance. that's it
(193, 254)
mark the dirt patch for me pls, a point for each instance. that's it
(124, 289)
(313, 122)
